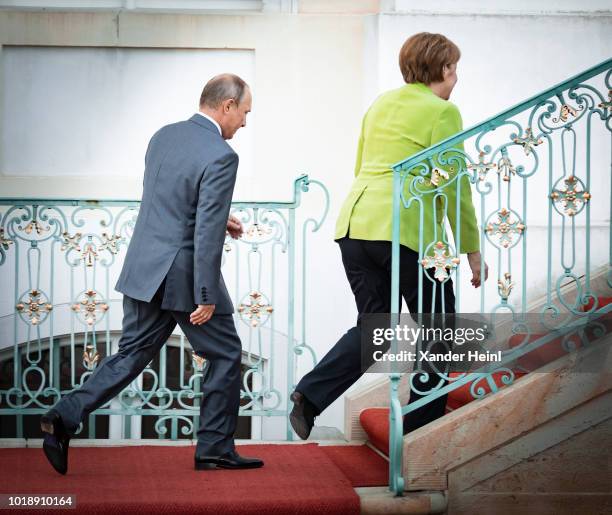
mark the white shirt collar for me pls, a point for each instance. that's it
(212, 120)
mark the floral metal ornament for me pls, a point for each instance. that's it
(607, 105)
(198, 361)
(35, 226)
(71, 242)
(481, 167)
(508, 228)
(35, 308)
(90, 357)
(437, 174)
(573, 196)
(565, 112)
(89, 307)
(257, 310)
(257, 231)
(4, 242)
(89, 254)
(505, 286)
(110, 243)
(528, 142)
(506, 168)
(442, 261)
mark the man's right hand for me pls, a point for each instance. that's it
(202, 314)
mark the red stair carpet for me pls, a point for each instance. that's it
(360, 464)
(375, 421)
(296, 479)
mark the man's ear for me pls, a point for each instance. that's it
(227, 104)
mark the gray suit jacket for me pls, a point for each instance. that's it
(189, 178)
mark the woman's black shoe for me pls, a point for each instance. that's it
(302, 415)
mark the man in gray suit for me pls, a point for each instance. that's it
(172, 274)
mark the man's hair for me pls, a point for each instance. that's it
(222, 87)
(423, 56)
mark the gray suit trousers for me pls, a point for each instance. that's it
(146, 328)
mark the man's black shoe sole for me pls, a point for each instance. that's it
(211, 465)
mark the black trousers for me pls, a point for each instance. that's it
(368, 269)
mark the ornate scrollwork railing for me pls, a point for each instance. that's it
(540, 166)
(60, 260)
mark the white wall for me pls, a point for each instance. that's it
(495, 7)
(91, 111)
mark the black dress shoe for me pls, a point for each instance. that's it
(229, 460)
(56, 440)
(302, 415)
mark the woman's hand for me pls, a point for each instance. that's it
(475, 262)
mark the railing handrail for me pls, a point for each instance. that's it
(300, 184)
(495, 121)
(93, 203)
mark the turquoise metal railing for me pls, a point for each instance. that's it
(561, 133)
(60, 264)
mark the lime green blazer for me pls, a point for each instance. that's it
(399, 124)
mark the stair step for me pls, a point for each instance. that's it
(380, 500)
(375, 421)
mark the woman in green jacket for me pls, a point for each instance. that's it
(400, 122)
